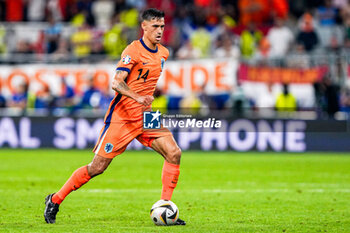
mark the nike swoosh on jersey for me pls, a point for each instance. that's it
(144, 63)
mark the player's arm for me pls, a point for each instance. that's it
(120, 86)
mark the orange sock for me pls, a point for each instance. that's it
(170, 175)
(78, 178)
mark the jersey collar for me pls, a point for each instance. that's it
(149, 49)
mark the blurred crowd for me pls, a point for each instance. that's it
(69, 101)
(330, 99)
(94, 30)
(288, 33)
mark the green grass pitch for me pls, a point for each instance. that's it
(217, 192)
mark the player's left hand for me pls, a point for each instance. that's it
(145, 100)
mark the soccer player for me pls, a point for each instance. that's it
(134, 82)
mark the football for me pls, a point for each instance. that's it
(164, 213)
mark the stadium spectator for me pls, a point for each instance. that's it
(39, 46)
(43, 98)
(253, 11)
(346, 20)
(263, 52)
(345, 11)
(326, 14)
(2, 11)
(267, 99)
(82, 17)
(129, 19)
(219, 101)
(19, 97)
(138, 4)
(169, 7)
(187, 51)
(67, 98)
(280, 8)
(286, 102)
(3, 46)
(331, 95)
(81, 41)
(182, 22)
(345, 100)
(280, 38)
(227, 48)
(105, 99)
(339, 4)
(190, 104)
(85, 9)
(347, 46)
(114, 40)
(345, 95)
(36, 10)
(201, 40)
(299, 58)
(240, 101)
(91, 96)
(250, 39)
(57, 9)
(97, 52)
(120, 5)
(2, 98)
(102, 11)
(14, 10)
(204, 3)
(171, 37)
(24, 47)
(207, 103)
(307, 36)
(330, 34)
(224, 28)
(52, 35)
(62, 52)
(160, 101)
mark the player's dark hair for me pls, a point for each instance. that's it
(152, 13)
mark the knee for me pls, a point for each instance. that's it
(174, 156)
(95, 169)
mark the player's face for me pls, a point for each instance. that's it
(153, 29)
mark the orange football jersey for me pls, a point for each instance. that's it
(144, 66)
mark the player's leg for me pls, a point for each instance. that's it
(112, 141)
(79, 177)
(168, 148)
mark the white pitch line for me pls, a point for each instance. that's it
(319, 190)
(284, 190)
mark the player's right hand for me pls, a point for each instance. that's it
(145, 100)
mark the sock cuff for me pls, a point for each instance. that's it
(56, 198)
(84, 172)
(81, 175)
(171, 168)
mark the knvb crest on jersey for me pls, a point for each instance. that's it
(151, 120)
(126, 59)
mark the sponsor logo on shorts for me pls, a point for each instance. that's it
(108, 147)
(151, 120)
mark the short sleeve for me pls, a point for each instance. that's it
(128, 59)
